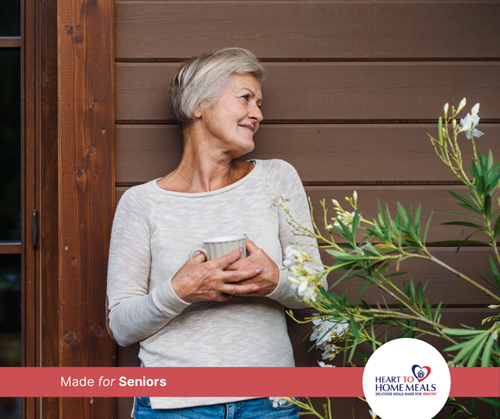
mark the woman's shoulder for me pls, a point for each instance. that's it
(277, 167)
(138, 199)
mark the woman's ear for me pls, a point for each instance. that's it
(197, 113)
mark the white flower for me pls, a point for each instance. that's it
(322, 364)
(329, 351)
(278, 401)
(278, 200)
(461, 105)
(494, 336)
(468, 125)
(325, 330)
(475, 109)
(346, 218)
(294, 256)
(307, 290)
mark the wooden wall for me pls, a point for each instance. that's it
(352, 88)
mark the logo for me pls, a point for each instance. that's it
(395, 386)
(419, 373)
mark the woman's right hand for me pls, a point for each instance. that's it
(198, 280)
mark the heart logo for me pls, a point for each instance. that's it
(420, 373)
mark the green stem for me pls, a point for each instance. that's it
(461, 275)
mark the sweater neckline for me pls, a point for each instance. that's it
(255, 169)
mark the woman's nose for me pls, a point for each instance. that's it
(256, 114)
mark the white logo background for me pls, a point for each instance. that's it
(391, 363)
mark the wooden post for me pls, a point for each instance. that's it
(86, 190)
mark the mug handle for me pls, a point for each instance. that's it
(199, 251)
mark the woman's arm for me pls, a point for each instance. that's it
(135, 314)
(288, 183)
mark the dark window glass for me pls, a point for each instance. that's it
(10, 144)
(10, 327)
(10, 17)
(10, 310)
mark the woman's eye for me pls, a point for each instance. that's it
(246, 97)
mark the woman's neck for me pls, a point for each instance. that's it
(204, 169)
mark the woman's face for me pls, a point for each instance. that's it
(235, 117)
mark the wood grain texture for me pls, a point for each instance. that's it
(85, 194)
(12, 42)
(321, 153)
(10, 248)
(48, 215)
(301, 92)
(307, 29)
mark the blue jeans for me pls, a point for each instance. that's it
(246, 409)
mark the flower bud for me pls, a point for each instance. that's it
(475, 110)
(461, 106)
(454, 123)
(355, 196)
(335, 203)
(446, 109)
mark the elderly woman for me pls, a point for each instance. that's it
(227, 312)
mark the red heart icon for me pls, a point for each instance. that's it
(428, 370)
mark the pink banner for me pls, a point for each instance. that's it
(216, 382)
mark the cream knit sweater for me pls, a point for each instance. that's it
(154, 231)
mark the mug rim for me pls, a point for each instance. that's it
(224, 239)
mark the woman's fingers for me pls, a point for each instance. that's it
(240, 275)
(224, 261)
(235, 289)
(251, 247)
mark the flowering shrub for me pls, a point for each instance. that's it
(341, 325)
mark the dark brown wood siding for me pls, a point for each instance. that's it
(352, 89)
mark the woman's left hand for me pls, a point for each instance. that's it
(268, 279)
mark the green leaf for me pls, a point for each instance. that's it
(487, 207)
(462, 332)
(490, 400)
(485, 360)
(496, 229)
(475, 355)
(462, 199)
(354, 329)
(427, 227)
(374, 345)
(438, 310)
(464, 224)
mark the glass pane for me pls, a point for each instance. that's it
(10, 327)
(10, 311)
(10, 17)
(10, 144)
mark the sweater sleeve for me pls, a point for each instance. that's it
(288, 183)
(134, 313)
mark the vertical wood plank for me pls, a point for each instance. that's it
(85, 196)
(48, 198)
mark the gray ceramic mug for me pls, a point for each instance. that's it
(215, 247)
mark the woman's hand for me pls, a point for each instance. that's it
(267, 279)
(197, 280)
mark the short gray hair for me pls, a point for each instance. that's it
(200, 81)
